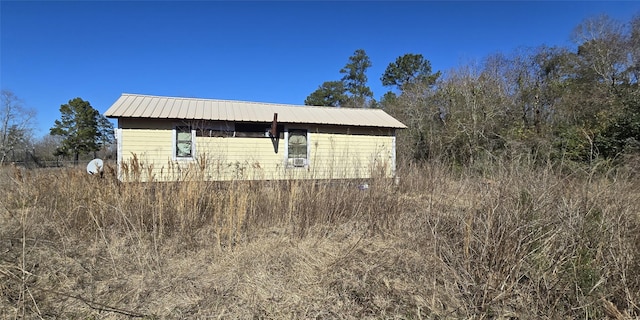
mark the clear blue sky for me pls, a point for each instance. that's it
(54, 51)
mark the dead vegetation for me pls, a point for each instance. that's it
(508, 241)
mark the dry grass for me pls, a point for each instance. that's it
(509, 241)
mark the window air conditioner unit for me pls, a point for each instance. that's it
(299, 162)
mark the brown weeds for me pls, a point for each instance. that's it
(508, 241)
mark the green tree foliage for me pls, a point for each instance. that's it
(351, 91)
(409, 69)
(417, 112)
(330, 94)
(355, 79)
(16, 125)
(414, 106)
(621, 135)
(544, 104)
(598, 82)
(82, 127)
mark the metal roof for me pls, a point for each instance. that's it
(158, 107)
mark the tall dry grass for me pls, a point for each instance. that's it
(503, 241)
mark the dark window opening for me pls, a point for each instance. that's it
(214, 133)
(256, 130)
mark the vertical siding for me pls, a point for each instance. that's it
(335, 155)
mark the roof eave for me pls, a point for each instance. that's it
(283, 122)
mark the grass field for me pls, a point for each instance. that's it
(510, 241)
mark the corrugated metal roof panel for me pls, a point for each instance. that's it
(182, 109)
(136, 105)
(156, 112)
(145, 106)
(218, 112)
(205, 112)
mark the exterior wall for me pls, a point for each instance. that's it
(240, 158)
(334, 153)
(145, 148)
(337, 156)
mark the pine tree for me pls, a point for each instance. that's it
(82, 127)
(355, 79)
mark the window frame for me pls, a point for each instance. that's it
(175, 132)
(289, 164)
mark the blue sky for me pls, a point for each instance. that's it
(54, 51)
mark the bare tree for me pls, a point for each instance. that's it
(45, 148)
(601, 42)
(16, 124)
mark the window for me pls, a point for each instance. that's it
(297, 146)
(215, 130)
(213, 133)
(184, 142)
(251, 130)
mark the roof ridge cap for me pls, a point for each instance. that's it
(242, 101)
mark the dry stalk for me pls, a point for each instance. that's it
(447, 242)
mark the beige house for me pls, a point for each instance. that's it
(170, 138)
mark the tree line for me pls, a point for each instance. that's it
(577, 104)
(80, 131)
